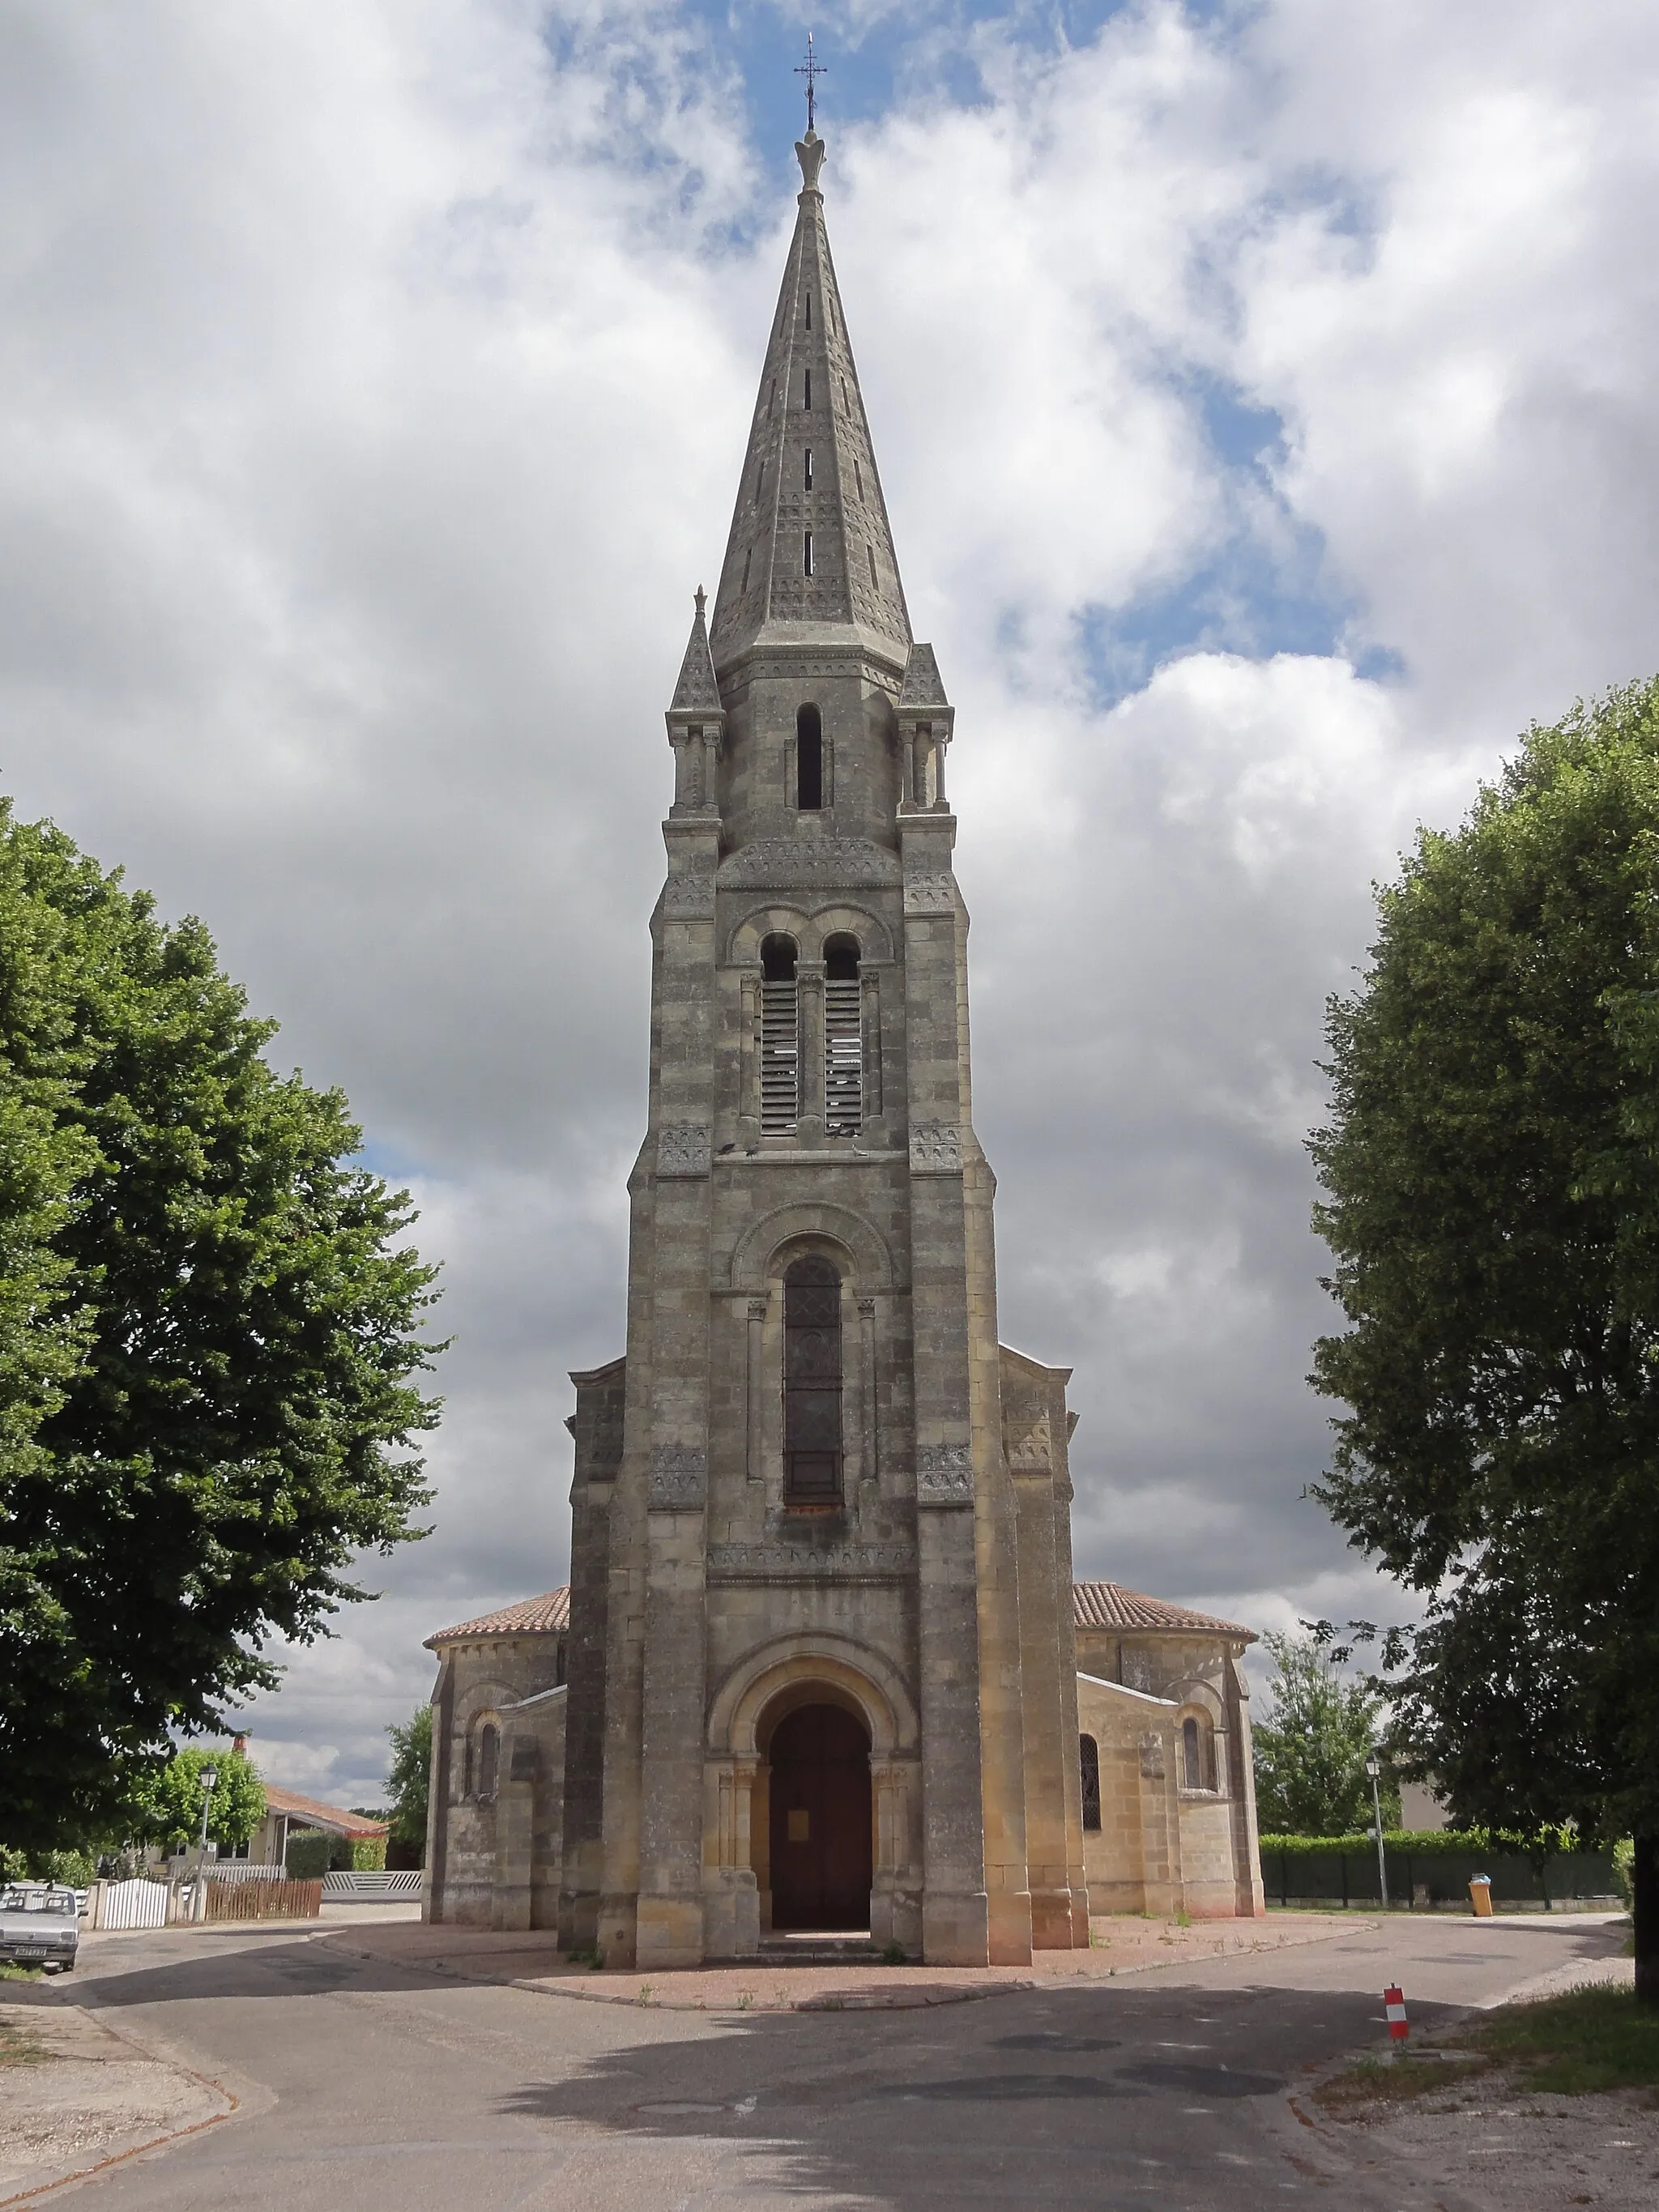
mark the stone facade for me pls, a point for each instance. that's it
(1154, 1839)
(817, 1662)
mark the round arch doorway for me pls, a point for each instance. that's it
(821, 1855)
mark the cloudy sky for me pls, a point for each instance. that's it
(1266, 396)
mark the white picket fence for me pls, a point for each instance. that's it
(137, 1903)
(342, 1888)
(243, 1870)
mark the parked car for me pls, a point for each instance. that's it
(40, 1925)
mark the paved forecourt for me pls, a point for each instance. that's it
(365, 2080)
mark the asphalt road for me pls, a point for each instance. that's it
(371, 2087)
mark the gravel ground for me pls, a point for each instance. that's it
(76, 2094)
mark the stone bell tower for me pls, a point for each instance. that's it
(821, 1671)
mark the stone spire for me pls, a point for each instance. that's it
(809, 550)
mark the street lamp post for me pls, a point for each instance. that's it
(208, 1778)
(1374, 1767)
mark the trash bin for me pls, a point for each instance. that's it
(1480, 1896)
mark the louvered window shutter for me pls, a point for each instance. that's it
(780, 1060)
(843, 1058)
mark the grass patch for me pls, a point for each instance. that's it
(1583, 2040)
(19, 2048)
(9, 1972)
(1396, 2081)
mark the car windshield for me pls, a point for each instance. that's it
(56, 1901)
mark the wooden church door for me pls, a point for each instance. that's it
(822, 1855)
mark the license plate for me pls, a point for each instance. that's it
(29, 1951)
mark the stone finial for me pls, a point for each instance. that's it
(810, 152)
(697, 692)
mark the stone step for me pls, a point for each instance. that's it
(809, 1948)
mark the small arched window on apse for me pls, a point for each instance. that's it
(1195, 1759)
(811, 1383)
(809, 760)
(1088, 1759)
(843, 1038)
(780, 1052)
(489, 1760)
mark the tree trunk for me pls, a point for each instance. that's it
(1644, 1891)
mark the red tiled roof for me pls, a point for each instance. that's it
(547, 1616)
(315, 1814)
(1109, 1605)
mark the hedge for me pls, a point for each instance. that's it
(1433, 1868)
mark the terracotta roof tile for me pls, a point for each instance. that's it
(319, 1815)
(1109, 1605)
(547, 1616)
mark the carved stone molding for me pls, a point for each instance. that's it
(935, 1148)
(679, 1477)
(683, 1149)
(792, 863)
(1027, 1440)
(1151, 1758)
(817, 1562)
(944, 1474)
(930, 895)
(757, 1308)
(689, 897)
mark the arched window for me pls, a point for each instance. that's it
(811, 1383)
(1088, 1759)
(809, 760)
(1195, 1755)
(489, 1758)
(780, 1061)
(843, 1039)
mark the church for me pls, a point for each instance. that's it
(821, 1668)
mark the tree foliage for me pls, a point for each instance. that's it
(208, 1330)
(409, 1780)
(1490, 1171)
(1310, 1778)
(167, 1800)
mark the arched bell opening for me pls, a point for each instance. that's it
(819, 1826)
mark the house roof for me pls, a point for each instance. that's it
(312, 1813)
(1094, 1605)
(547, 1615)
(1109, 1605)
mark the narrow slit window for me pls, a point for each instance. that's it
(1192, 1756)
(811, 1383)
(806, 390)
(780, 1058)
(748, 556)
(806, 553)
(857, 476)
(831, 305)
(809, 760)
(809, 311)
(771, 399)
(760, 482)
(843, 1039)
(871, 550)
(1088, 1759)
(846, 404)
(489, 1754)
(806, 470)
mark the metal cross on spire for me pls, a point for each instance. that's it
(811, 68)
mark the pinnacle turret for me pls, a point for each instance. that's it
(809, 548)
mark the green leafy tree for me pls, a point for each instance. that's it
(208, 1333)
(1310, 1778)
(166, 1803)
(408, 1782)
(1491, 1172)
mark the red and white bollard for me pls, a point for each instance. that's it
(1394, 2004)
